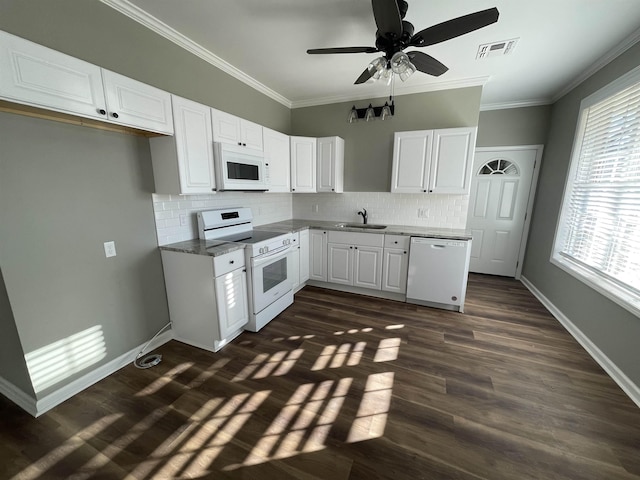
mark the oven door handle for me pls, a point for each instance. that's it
(262, 259)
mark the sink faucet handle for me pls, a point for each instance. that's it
(364, 215)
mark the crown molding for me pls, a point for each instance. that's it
(520, 104)
(618, 50)
(143, 18)
(408, 90)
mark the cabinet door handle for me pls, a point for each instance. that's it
(240, 143)
(115, 115)
(244, 269)
(350, 247)
(244, 144)
(232, 261)
(424, 191)
(102, 111)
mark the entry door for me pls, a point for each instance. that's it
(500, 190)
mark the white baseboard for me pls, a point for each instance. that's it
(618, 376)
(38, 407)
(18, 396)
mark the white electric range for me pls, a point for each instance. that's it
(267, 255)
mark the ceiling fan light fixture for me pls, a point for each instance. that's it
(377, 67)
(410, 70)
(399, 62)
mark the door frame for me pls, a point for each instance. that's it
(532, 192)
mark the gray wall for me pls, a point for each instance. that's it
(613, 329)
(64, 191)
(94, 32)
(12, 363)
(514, 126)
(369, 145)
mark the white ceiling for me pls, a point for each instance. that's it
(264, 43)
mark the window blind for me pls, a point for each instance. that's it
(601, 216)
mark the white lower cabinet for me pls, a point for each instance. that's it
(294, 258)
(355, 259)
(318, 255)
(395, 263)
(207, 297)
(304, 255)
(231, 299)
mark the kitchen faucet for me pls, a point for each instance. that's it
(364, 215)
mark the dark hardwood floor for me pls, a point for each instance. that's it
(344, 386)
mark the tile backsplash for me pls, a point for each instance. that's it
(437, 211)
(176, 214)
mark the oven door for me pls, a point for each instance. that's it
(271, 278)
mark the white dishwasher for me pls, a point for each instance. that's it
(438, 272)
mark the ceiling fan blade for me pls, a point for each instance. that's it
(387, 16)
(366, 75)
(454, 28)
(427, 64)
(320, 51)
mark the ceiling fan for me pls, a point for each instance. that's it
(395, 34)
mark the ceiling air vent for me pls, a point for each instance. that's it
(496, 49)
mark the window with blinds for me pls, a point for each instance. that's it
(598, 235)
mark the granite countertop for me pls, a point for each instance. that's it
(196, 246)
(215, 248)
(295, 225)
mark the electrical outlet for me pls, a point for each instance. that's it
(423, 213)
(109, 249)
(314, 208)
(183, 219)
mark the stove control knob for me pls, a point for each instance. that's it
(266, 249)
(261, 251)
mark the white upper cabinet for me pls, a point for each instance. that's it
(303, 164)
(330, 168)
(278, 160)
(234, 130)
(183, 163)
(452, 160)
(411, 157)
(137, 104)
(36, 75)
(433, 161)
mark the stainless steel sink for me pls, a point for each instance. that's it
(361, 225)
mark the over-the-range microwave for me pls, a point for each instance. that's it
(239, 168)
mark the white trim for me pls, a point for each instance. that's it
(591, 277)
(611, 55)
(625, 383)
(18, 396)
(532, 194)
(152, 23)
(519, 104)
(43, 405)
(383, 92)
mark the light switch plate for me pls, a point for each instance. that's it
(110, 249)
